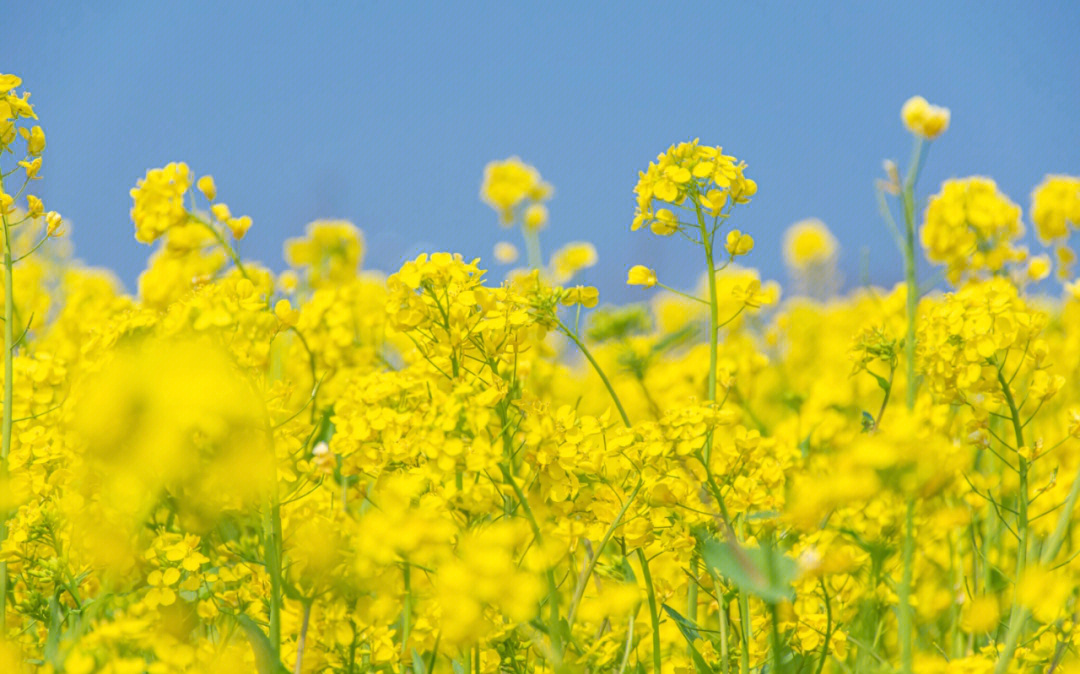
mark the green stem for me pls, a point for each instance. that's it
(301, 641)
(229, 250)
(5, 449)
(774, 615)
(714, 312)
(747, 633)
(272, 553)
(1019, 614)
(654, 615)
(553, 588)
(532, 247)
(909, 266)
(579, 592)
(406, 609)
(596, 366)
(904, 616)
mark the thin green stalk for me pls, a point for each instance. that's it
(406, 609)
(302, 639)
(654, 615)
(725, 662)
(596, 366)
(828, 627)
(714, 314)
(532, 247)
(229, 250)
(1050, 550)
(904, 613)
(9, 344)
(909, 265)
(272, 554)
(579, 592)
(553, 588)
(692, 591)
(904, 616)
(747, 634)
(1022, 469)
(774, 616)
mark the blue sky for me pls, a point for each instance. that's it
(386, 113)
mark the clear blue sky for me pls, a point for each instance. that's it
(386, 113)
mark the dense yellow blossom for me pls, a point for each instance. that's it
(159, 201)
(330, 469)
(972, 228)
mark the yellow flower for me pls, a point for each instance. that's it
(53, 223)
(1039, 267)
(9, 82)
(331, 252)
(572, 258)
(285, 313)
(536, 216)
(808, 243)
(666, 223)
(509, 183)
(688, 170)
(34, 205)
(35, 140)
(505, 252)
(972, 228)
(1045, 592)
(980, 615)
(640, 275)
(159, 201)
(207, 187)
(239, 226)
(923, 119)
(586, 296)
(1055, 206)
(738, 243)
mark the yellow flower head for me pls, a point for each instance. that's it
(923, 119)
(703, 174)
(1055, 207)
(159, 201)
(510, 183)
(808, 243)
(572, 258)
(640, 275)
(207, 187)
(331, 252)
(972, 228)
(506, 252)
(738, 243)
(586, 296)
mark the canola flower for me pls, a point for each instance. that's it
(335, 470)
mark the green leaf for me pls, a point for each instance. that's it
(265, 660)
(763, 572)
(56, 621)
(418, 665)
(688, 629)
(881, 381)
(868, 422)
(690, 633)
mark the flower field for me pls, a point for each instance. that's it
(433, 469)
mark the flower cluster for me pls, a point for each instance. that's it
(333, 470)
(710, 179)
(972, 228)
(511, 186)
